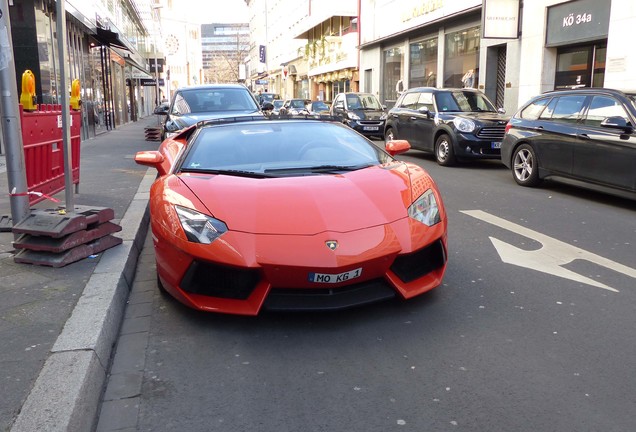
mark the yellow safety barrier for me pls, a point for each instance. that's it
(27, 97)
(76, 102)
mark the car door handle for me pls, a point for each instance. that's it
(413, 118)
(583, 136)
(394, 115)
(538, 128)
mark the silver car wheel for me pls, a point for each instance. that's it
(444, 153)
(523, 165)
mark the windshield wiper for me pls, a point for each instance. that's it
(320, 168)
(231, 172)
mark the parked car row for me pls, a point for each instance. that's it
(585, 135)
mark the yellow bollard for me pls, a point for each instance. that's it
(76, 102)
(27, 97)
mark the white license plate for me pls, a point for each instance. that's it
(370, 128)
(334, 278)
(496, 145)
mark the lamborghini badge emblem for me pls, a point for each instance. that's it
(331, 244)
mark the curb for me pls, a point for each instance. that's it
(67, 392)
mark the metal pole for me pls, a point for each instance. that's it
(11, 127)
(66, 110)
(157, 101)
(155, 18)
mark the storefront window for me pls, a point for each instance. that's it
(423, 63)
(574, 67)
(341, 86)
(304, 89)
(461, 62)
(98, 105)
(393, 60)
(45, 28)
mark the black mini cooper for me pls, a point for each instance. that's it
(453, 124)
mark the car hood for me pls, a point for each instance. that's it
(369, 114)
(305, 205)
(483, 116)
(184, 121)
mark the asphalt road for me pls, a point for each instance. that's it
(500, 346)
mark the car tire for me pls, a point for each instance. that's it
(162, 289)
(525, 166)
(389, 135)
(444, 153)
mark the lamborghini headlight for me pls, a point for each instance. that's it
(425, 209)
(198, 227)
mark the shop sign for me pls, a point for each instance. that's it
(421, 7)
(500, 19)
(151, 82)
(577, 21)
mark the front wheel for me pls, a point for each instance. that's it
(389, 135)
(525, 166)
(444, 153)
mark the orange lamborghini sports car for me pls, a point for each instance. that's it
(291, 214)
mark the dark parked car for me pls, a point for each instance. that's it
(318, 107)
(584, 135)
(453, 124)
(361, 112)
(267, 97)
(278, 104)
(294, 107)
(190, 105)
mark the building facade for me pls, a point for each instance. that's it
(551, 44)
(106, 42)
(509, 49)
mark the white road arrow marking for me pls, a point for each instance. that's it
(551, 256)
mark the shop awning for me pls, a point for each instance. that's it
(111, 39)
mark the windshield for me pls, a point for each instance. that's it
(363, 102)
(319, 106)
(297, 103)
(280, 148)
(462, 101)
(204, 100)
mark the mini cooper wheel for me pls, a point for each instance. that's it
(525, 166)
(444, 153)
(389, 135)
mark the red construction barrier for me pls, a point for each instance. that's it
(44, 149)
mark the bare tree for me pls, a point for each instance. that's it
(224, 64)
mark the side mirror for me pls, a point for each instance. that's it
(424, 110)
(152, 159)
(397, 147)
(501, 111)
(268, 106)
(617, 122)
(162, 109)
